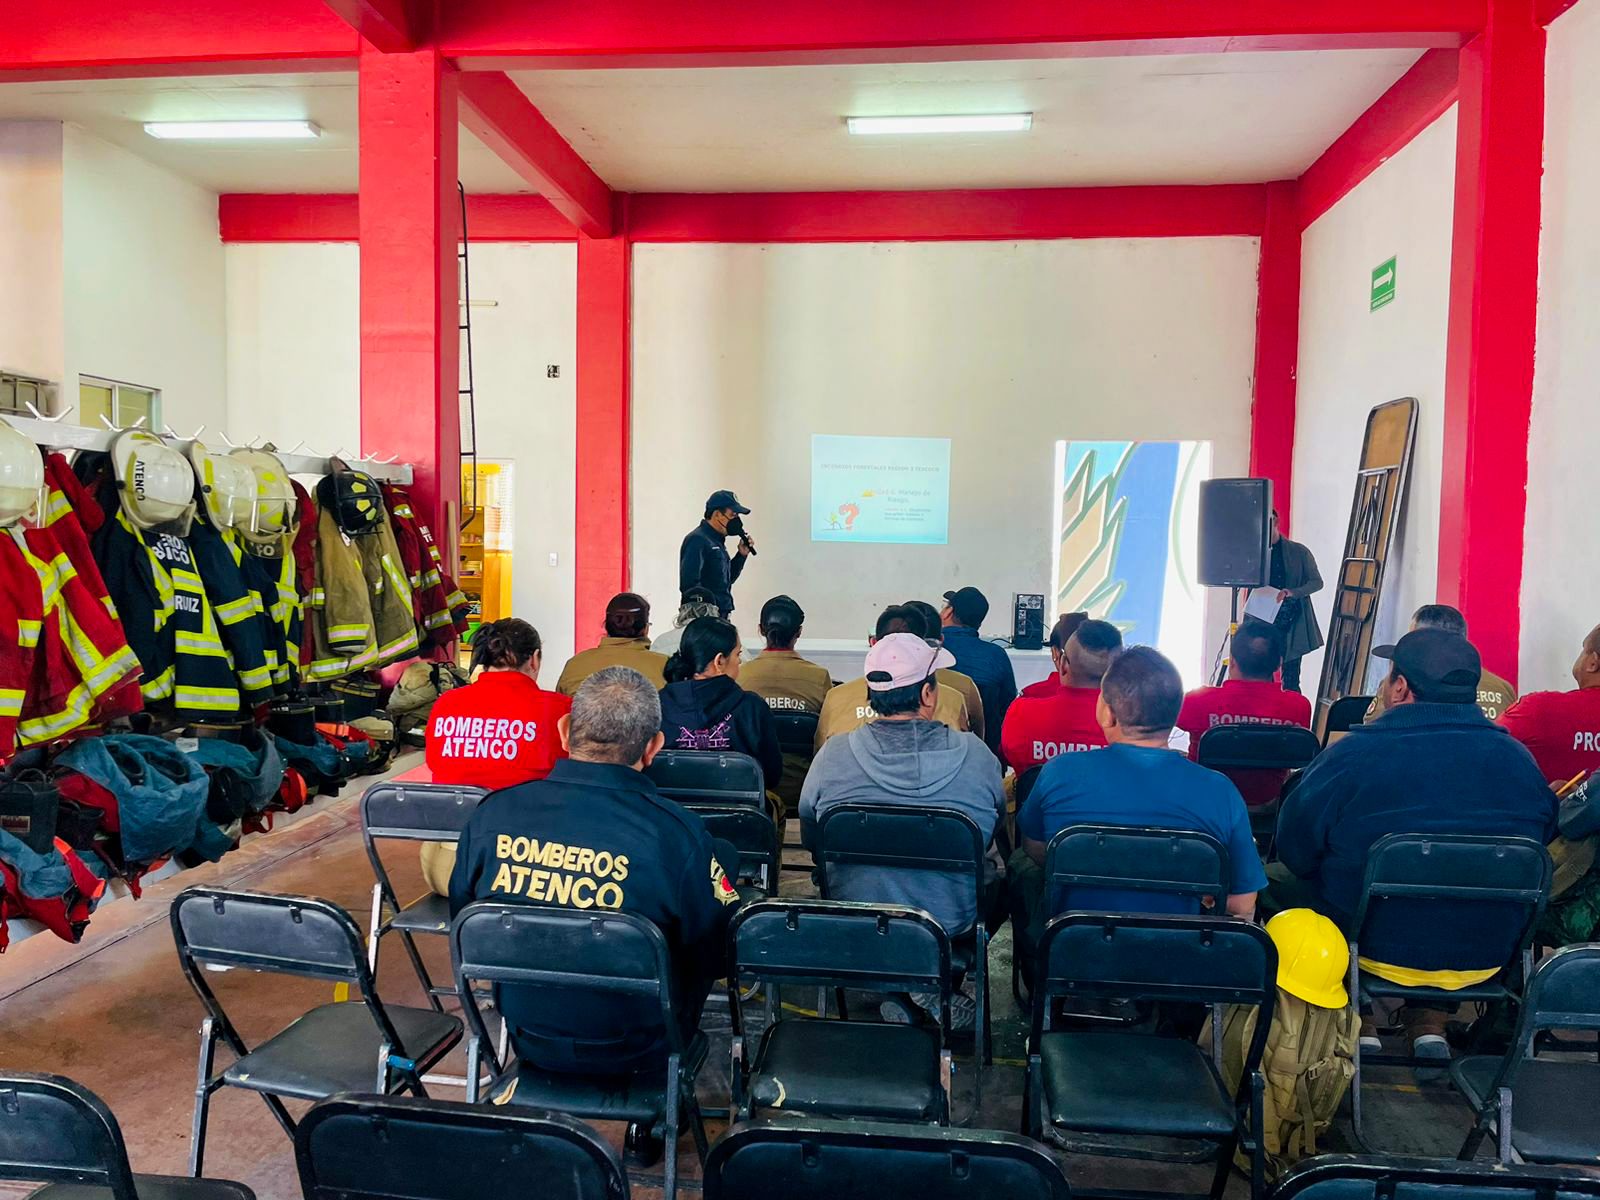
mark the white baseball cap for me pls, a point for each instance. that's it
(905, 659)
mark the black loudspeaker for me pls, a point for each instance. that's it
(1235, 520)
(1027, 620)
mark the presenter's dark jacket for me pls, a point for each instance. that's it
(593, 837)
(703, 561)
(1301, 579)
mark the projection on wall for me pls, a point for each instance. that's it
(1126, 524)
(880, 489)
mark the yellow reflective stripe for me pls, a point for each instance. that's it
(113, 670)
(28, 631)
(188, 579)
(56, 508)
(400, 645)
(43, 729)
(205, 697)
(395, 577)
(158, 688)
(440, 620)
(235, 611)
(455, 599)
(358, 630)
(256, 679)
(111, 607)
(431, 579)
(402, 510)
(11, 701)
(199, 645)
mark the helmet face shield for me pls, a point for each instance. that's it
(274, 509)
(227, 488)
(23, 494)
(156, 482)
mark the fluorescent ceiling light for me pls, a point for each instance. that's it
(971, 123)
(231, 130)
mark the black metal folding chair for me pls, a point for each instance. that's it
(415, 813)
(377, 1148)
(59, 1133)
(1344, 714)
(911, 841)
(580, 955)
(1259, 756)
(1542, 1110)
(808, 1159)
(333, 1048)
(832, 1067)
(753, 835)
(701, 777)
(797, 732)
(1479, 898)
(1347, 1177)
(1092, 1091)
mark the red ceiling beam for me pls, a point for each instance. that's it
(579, 33)
(497, 112)
(1417, 99)
(54, 39)
(385, 23)
(285, 217)
(1549, 10)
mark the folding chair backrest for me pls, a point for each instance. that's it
(418, 812)
(52, 1130)
(1203, 960)
(708, 777)
(1344, 714)
(372, 1148)
(900, 837)
(873, 947)
(1565, 991)
(1173, 862)
(1025, 784)
(1258, 747)
(1347, 1177)
(1477, 897)
(750, 831)
(858, 1160)
(284, 935)
(797, 731)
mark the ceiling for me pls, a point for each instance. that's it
(1223, 118)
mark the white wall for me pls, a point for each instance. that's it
(143, 291)
(31, 338)
(1352, 359)
(293, 371)
(1561, 574)
(742, 352)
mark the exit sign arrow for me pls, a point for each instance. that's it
(1382, 285)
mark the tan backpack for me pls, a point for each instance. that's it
(1308, 1064)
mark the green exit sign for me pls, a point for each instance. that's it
(1382, 284)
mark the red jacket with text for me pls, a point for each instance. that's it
(495, 733)
(1037, 728)
(1244, 702)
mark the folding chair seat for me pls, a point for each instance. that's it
(1348, 1177)
(364, 1046)
(376, 1148)
(911, 841)
(810, 1159)
(1478, 897)
(582, 955)
(57, 1132)
(702, 777)
(1542, 1110)
(1091, 1091)
(415, 813)
(832, 1067)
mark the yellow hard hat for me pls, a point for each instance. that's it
(1313, 957)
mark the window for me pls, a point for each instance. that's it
(18, 391)
(123, 404)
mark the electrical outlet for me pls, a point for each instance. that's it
(553, 371)
(554, 558)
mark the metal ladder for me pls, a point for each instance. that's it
(465, 393)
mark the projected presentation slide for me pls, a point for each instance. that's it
(880, 489)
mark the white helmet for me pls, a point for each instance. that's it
(156, 482)
(277, 509)
(22, 489)
(227, 488)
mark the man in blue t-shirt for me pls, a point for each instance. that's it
(985, 663)
(1135, 780)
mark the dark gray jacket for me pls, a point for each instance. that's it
(1302, 580)
(923, 763)
(703, 561)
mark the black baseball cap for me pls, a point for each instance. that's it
(969, 605)
(1440, 667)
(698, 595)
(724, 499)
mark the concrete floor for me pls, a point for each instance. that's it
(116, 1014)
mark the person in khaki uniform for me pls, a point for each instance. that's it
(626, 644)
(933, 630)
(846, 706)
(787, 682)
(1495, 695)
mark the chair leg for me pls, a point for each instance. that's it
(202, 1097)
(1032, 1100)
(1503, 1128)
(1354, 985)
(947, 1083)
(669, 1186)
(422, 972)
(373, 923)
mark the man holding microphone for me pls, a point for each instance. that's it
(703, 559)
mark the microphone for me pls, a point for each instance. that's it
(744, 540)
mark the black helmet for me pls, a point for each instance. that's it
(353, 499)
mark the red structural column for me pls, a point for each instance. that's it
(1277, 346)
(409, 225)
(603, 428)
(1489, 360)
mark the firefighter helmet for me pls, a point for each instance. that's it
(277, 512)
(22, 489)
(227, 487)
(354, 500)
(156, 482)
(1312, 957)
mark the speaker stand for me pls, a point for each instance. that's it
(1219, 672)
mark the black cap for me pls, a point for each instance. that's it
(1440, 667)
(724, 499)
(969, 605)
(697, 595)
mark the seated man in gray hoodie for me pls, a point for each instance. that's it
(906, 757)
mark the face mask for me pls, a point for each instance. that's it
(736, 527)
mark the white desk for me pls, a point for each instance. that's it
(845, 658)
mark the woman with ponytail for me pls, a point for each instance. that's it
(704, 708)
(498, 731)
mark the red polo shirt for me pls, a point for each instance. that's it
(495, 733)
(1560, 729)
(1037, 728)
(1048, 686)
(1244, 702)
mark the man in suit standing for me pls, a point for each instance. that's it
(1293, 574)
